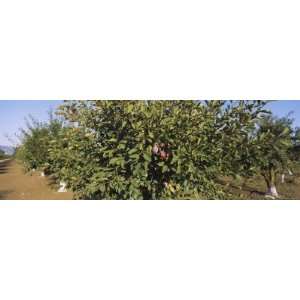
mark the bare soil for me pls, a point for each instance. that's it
(17, 185)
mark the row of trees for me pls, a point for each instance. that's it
(2, 154)
(159, 149)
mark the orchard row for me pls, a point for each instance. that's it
(159, 149)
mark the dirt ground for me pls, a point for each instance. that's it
(255, 188)
(16, 184)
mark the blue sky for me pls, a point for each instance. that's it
(13, 113)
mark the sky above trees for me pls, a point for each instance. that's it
(13, 113)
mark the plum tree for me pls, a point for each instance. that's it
(35, 141)
(152, 149)
(149, 149)
(270, 150)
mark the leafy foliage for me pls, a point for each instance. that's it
(151, 149)
(271, 146)
(36, 138)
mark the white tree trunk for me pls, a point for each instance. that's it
(42, 174)
(62, 188)
(272, 191)
(282, 178)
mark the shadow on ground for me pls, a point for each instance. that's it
(4, 166)
(3, 194)
(242, 189)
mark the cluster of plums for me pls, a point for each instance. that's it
(161, 150)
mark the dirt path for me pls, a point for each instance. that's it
(15, 184)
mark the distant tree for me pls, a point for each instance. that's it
(35, 141)
(2, 154)
(270, 149)
(295, 151)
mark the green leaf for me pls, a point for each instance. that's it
(135, 156)
(134, 150)
(147, 157)
(165, 169)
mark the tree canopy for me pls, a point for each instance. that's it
(157, 149)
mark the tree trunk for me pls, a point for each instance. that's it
(270, 178)
(282, 178)
(62, 188)
(272, 191)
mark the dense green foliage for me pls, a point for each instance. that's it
(275, 141)
(36, 138)
(154, 149)
(270, 148)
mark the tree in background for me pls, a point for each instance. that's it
(2, 154)
(232, 136)
(35, 142)
(270, 149)
(295, 151)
